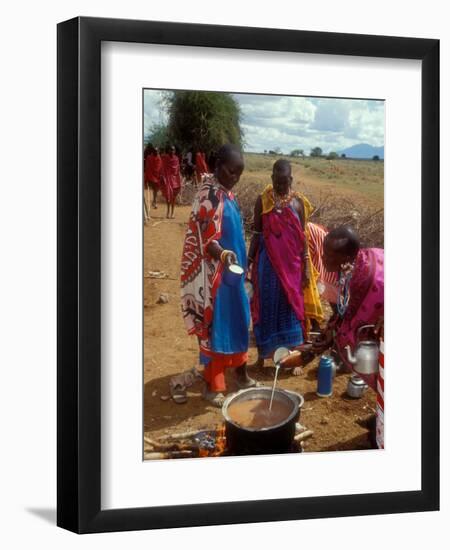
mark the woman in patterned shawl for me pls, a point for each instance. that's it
(285, 294)
(218, 314)
(360, 298)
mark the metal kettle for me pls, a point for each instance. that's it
(365, 359)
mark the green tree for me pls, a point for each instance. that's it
(316, 152)
(332, 155)
(343, 156)
(297, 153)
(160, 136)
(376, 157)
(204, 120)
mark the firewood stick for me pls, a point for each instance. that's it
(150, 441)
(168, 454)
(185, 435)
(151, 446)
(154, 456)
(304, 435)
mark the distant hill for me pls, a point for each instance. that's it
(362, 151)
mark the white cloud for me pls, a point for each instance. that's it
(331, 115)
(295, 122)
(154, 113)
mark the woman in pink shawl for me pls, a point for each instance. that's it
(279, 253)
(360, 298)
(171, 179)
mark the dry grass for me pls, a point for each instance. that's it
(342, 192)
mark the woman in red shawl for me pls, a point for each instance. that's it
(153, 166)
(171, 179)
(201, 167)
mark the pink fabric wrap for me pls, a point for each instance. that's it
(284, 240)
(366, 303)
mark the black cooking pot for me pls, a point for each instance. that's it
(271, 440)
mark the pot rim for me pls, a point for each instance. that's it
(287, 393)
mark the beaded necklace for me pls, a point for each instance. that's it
(280, 201)
(345, 276)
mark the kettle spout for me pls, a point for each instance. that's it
(351, 358)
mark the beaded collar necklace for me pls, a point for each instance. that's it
(345, 276)
(281, 201)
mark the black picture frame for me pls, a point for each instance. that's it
(79, 276)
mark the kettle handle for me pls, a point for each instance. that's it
(362, 328)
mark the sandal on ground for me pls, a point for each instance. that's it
(197, 374)
(178, 385)
(178, 392)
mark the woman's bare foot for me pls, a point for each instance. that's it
(297, 371)
(216, 399)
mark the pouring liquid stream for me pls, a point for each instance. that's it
(277, 368)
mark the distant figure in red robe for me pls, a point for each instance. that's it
(153, 167)
(171, 179)
(201, 167)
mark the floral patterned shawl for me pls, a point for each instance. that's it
(200, 273)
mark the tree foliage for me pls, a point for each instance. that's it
(203, 120)
(297, 153)
(316, 152)
(160, 136)
(332, 155)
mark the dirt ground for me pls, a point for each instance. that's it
(338, 422)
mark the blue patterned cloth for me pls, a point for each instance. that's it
(278, 324)
(231, 318)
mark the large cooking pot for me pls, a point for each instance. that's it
(269, 440)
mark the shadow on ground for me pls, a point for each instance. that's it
(46, 514)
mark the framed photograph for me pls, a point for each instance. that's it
(226, 200)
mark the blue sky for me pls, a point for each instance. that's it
(291, 122)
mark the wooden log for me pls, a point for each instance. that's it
(150, 445)
(168, 454)
(154, 456)
(178, 436)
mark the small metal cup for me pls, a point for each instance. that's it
(232, 274)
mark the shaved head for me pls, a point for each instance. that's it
(282, 166)
(343, 240)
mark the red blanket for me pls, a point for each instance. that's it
(153, 165)
(171, 177)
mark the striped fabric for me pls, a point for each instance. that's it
(380, 400)
(316, 235)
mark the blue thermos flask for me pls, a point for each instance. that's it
(325, 376)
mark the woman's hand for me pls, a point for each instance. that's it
(379, 327)
(229, 258)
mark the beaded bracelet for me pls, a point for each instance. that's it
(223, 255)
